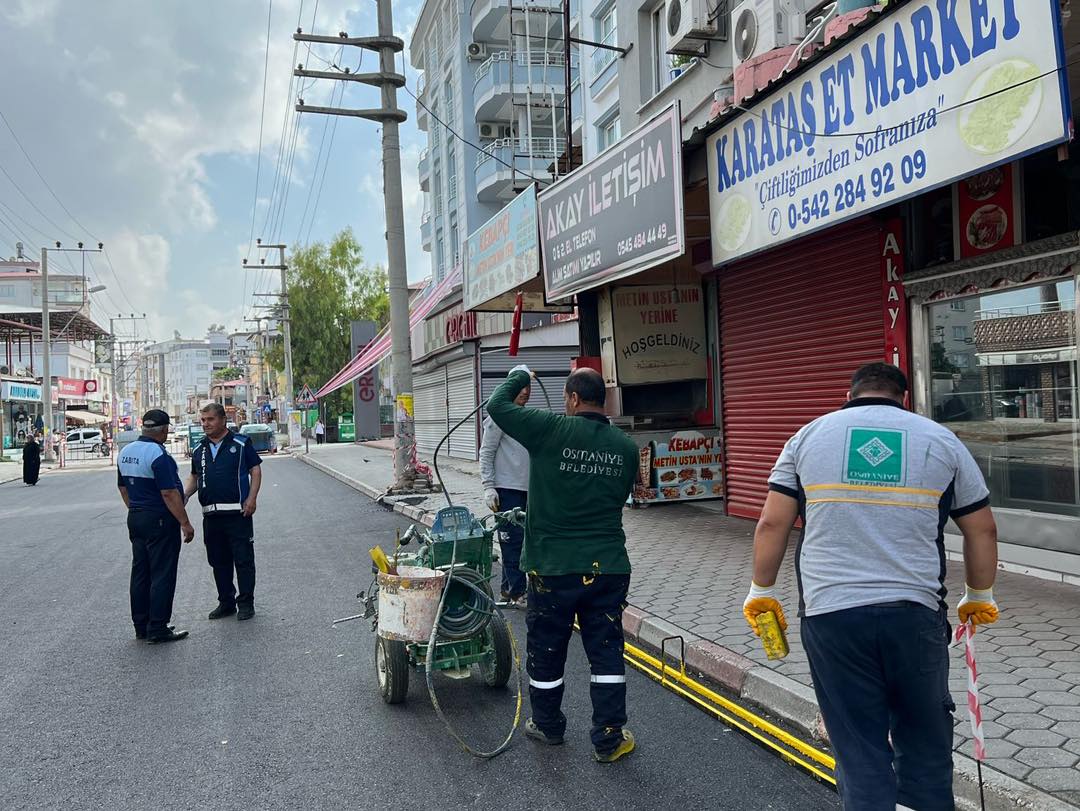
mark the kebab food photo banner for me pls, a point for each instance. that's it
(687, 467)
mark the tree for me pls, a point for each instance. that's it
(330, 286)
(229, 373)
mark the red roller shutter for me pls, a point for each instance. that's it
(795, 322)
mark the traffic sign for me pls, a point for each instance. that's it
(306, 398)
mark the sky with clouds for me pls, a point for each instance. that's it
(142, 119)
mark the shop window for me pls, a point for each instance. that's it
(1052, 194)
(1004, 379)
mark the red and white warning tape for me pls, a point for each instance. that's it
(967, 633)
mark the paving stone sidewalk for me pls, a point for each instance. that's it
(692, 565)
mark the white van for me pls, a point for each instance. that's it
(86, 439)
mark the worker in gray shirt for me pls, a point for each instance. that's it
(875, 485)
(504, 472)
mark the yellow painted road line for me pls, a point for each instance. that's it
(732, 721)
(730, 706)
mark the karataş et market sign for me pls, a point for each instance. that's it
(936, 91)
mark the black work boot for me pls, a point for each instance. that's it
(245, 612)
(222, 610)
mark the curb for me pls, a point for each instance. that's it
(776, 694)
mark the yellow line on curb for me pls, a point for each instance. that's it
(732, 714)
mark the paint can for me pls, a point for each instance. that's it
(409, 603)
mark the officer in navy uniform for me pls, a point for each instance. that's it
(226, 471)
(149, 483)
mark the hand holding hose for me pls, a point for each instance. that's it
(521, 367)
(761, 600)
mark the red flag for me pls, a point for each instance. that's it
(515, 327)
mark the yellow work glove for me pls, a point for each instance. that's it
(978, 607)
(760, 600)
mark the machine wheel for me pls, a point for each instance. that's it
(392, 669)
(95, 448)
(497, 672)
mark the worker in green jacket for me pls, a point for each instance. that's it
(581, 470)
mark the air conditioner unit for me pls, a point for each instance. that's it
(490, 130)
(690, 23)
(760, 26)
(476, 51)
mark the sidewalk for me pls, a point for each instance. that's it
(691, 570)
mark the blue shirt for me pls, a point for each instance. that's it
(145, 468)
(224, 469)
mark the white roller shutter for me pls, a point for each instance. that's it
(429, 409)
(464, 443)
(550, 363)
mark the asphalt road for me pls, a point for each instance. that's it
(283, 712)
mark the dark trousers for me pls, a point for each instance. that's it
(319, 438)
(598, 603)
(511, 538)
(230, 543)
(155, 551)
(881, 673)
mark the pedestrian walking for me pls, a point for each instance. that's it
(320, 432)
(31, 462)
(226, 471)
(581, 470)
(875, 485)
(504, 472)
(149, 483)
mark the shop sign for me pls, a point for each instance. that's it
(893, 296)
(502, 255)
(659, 333)
(688, 467)
(23, 392)
(934, 92)
(987, 212)
(70, 387)
(460, 326)
(619, 214)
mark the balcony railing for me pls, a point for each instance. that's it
(524, 60)
(1024, 309)
(541, 149)
(602, 57)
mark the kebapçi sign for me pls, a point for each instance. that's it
(935, 91)
(659, 333)
(618, 214)
(502, 255)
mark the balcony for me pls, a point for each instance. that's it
(491, 18)
(425, 231)
(421, 112)
(424, 170)
(604, 64)
(494, 179)
(543, 73)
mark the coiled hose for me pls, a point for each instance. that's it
(452, 577)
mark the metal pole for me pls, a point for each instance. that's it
(569, 118)
(400, 339)
(46, 371)
(287, 329)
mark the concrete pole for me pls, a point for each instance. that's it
(400, 339)
(287, 318)
(46, 370)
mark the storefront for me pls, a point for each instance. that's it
(847, 228)
(615, 234)
(22, 412)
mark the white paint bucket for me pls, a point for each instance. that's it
(409, 603)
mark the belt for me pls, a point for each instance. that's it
(221, 508)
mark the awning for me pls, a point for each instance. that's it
(86, 417)
(379, 346)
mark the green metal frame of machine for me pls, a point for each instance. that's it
(470, 631)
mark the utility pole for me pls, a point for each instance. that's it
(264, 376)
(285, 317)
(119, 376)
(46, 341)
(388, 116)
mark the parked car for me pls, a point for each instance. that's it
(87, 439)
(181, 432)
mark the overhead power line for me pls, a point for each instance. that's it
(262, 117)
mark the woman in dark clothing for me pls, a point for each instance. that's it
(31, 460)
